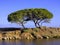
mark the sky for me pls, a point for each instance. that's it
(9, 6)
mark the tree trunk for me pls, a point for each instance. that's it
(23, 25)
(39, 24)
(35, 23)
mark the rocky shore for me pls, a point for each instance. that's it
(30, 34)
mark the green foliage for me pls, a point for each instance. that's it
(37, 15)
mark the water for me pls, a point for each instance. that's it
(34, 42)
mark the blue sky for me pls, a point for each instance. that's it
(8, 6)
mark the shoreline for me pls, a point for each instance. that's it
(30, 34)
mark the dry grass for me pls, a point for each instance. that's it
(33, 33)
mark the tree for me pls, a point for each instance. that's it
(44, 16)
(17, 17)
(37, 15)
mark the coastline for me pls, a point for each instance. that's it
(30, 33)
